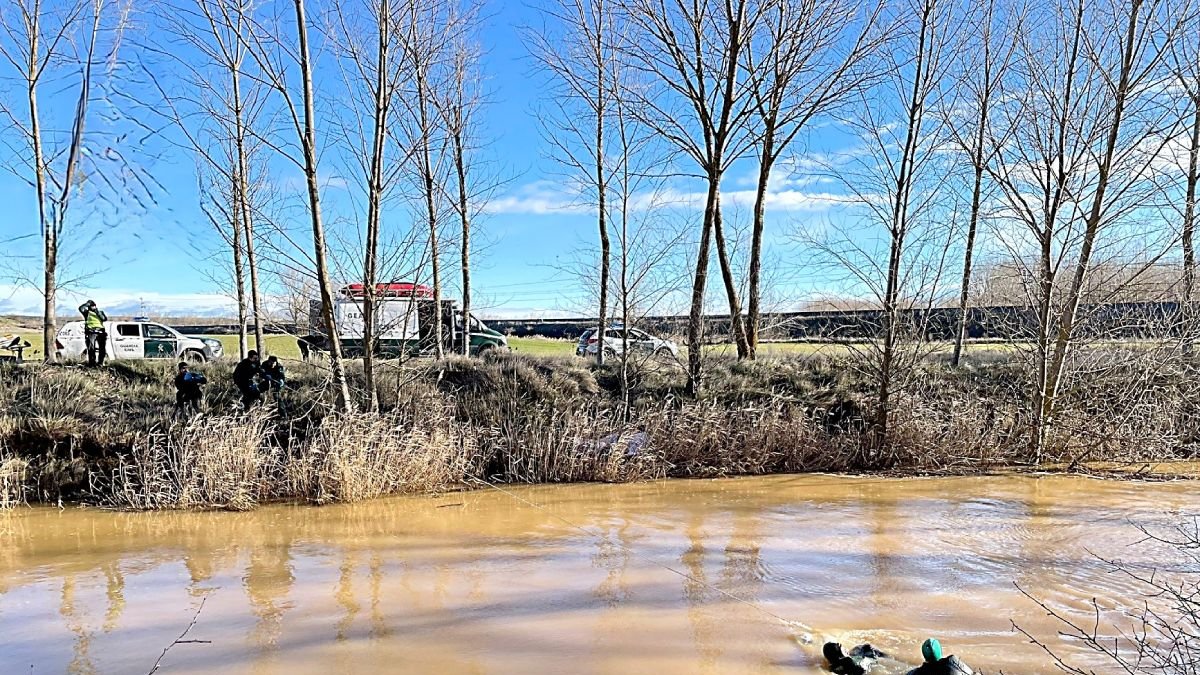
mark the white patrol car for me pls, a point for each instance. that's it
(138, 340)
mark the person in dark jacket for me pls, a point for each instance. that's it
(857, 662)
(246, 378)
(935, 664)
(273, 374)
(188, 394)
(93, 332)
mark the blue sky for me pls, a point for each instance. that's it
(155, 249)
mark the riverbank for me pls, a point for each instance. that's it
(111, 437)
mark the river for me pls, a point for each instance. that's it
(667, 577)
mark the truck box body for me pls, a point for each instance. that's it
(405, 322)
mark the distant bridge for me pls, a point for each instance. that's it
(1118, 321)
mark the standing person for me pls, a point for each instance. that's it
(245, 377)
(94, 333)
(187, 389)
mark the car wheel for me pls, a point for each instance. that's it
(194, 357)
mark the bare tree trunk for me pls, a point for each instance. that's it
(49, 229)
(375, 189)
(927, 42)
(239, 268)
(429, 187)
(695, 337)
(242, 203)
(601, 196)
(969, 254)
(1189, 225)
(978, 160)
(1066, 324)
(736, 324)
(754, 317)
(460, 170)
(308, 142)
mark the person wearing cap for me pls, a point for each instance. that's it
(935, 664)
(245, 377)
(188, 394)
(857, 662)
(94, 333)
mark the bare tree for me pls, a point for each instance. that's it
(427, 31)
(990, 51)
(697, 97)
(1089, 128)
(581, 55)
(37, 36)
(1185, 64)
(896, 184)
(280, 66)
(805, 62)
(459, 107)
(374, 74)
(213, 110)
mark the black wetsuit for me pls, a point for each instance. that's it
(858, 662)
(951, 665)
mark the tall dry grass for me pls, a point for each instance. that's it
(355, 457)
(111, 435)
(12, 480)
(206, 462)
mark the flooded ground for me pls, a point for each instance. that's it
(672, 577)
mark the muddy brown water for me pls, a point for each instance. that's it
(483, 582)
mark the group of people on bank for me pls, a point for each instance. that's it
(863, 658)
(252, 377)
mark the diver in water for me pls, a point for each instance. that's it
(858, 662)
(935, 664)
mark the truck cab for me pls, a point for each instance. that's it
(483, 339)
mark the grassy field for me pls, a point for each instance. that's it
(284, 346)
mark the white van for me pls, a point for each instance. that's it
(138, 340)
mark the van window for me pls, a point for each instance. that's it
(128, 330)
(157, 332)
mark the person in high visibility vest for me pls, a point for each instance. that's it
(94, 333)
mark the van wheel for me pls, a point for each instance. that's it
(484, 350)
(194, 357)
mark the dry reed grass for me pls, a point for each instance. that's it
(111, 435)
(355, 457)
(206, 462)
(12, 480)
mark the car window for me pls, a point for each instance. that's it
(638, 335)
(129, 330)
(587, 334)
(158, 332)
(614, 333)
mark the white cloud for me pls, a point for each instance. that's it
(540, 198)
(785, 192)
(118, 302)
